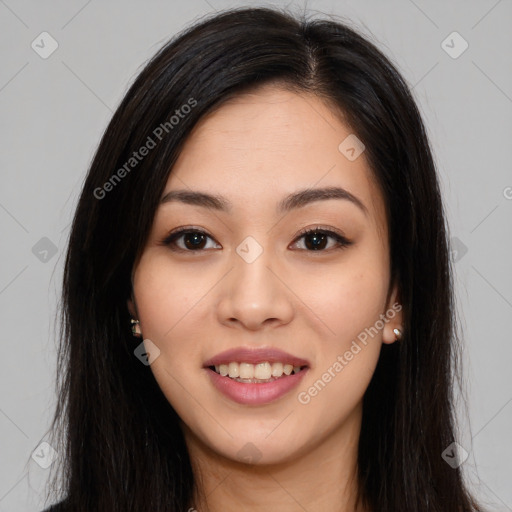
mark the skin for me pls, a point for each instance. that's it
(254, 150)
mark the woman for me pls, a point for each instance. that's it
(258, 307)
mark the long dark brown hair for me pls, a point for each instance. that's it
(120, 442)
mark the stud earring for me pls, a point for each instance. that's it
(398, 334)
(136, 328)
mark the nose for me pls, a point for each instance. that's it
(254, 295)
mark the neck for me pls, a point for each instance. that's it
(322, 477)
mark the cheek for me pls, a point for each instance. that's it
(168, 302)
(348, 299)
(167, 296)
(350, 305)
(345, 298)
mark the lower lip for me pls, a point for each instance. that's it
(257, 393)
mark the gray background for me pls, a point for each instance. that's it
(53, 113)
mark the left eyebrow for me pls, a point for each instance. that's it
(290, 202)
(310, 195)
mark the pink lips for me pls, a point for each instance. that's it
(255, 356)
(255, 393)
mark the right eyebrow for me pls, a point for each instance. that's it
(213, 202)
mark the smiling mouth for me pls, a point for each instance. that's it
(256, 373)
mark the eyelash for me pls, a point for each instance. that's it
(342, 242)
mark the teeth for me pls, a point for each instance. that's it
(277, 369)
(262, 371)
(234, 370)
(246, 371)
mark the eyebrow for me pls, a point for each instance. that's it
(292, 201)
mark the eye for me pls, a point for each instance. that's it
(195, 240)
(192, 238)
(316, 239)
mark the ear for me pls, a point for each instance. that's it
(395, 318)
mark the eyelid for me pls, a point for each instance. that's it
(323, 229)
(187, 229)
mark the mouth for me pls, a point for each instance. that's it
(256, 373)
(255, 376)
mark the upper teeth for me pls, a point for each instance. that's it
(261, 371)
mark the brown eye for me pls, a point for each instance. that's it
(194, 240)
(191, 240)
(317, 239)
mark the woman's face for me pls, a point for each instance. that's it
(251, 281)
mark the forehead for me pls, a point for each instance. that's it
(260, 146)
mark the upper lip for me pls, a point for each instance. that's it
(255, 356)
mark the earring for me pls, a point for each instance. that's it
(136, 328)
(398, 334)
